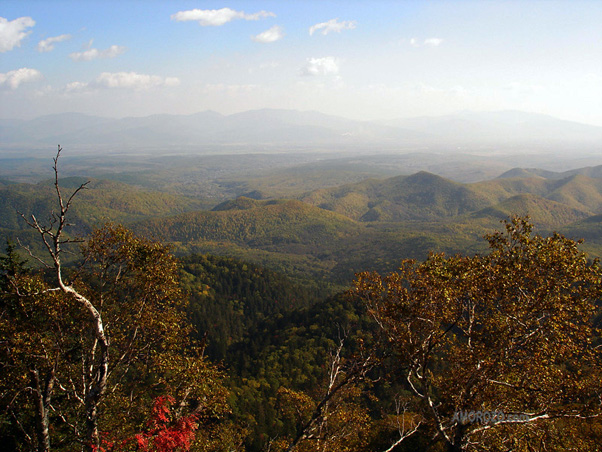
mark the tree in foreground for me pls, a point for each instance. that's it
(101, 358)
(497, 352)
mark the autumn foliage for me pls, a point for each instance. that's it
(163, 433)
(511, 332)
(103, 356)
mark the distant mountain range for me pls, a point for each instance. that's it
(294, 128)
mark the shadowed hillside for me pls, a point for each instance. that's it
(253, 222)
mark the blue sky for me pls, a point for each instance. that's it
(359, 59)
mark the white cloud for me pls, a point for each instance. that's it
(430, 42)
(92, 54)
(13, 32)
(217, 17)
(13, 79)
(321, 66)
(132, 80)
(332, 25)
(47, 45)
(433, 42)
(273, 34)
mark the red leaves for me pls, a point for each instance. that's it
(164, 433)
(161, 410)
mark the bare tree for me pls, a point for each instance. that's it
(83, 357)
(95, 376)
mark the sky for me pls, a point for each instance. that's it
(366, 60)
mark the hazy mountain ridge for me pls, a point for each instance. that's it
(299, 128)
(501, 127)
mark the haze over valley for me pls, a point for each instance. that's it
(301, 226)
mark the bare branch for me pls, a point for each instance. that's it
(355, 372)
(26, 248)
(403, 430)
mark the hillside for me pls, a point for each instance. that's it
(421, 196)
(590, 231)
(228, 297)
(101, 201)
(551, 199)
(253, 222)
(548, 214)
(285, 235)
(328, 234)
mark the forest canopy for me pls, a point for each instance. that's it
(494, 351)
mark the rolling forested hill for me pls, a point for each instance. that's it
(326, 235)
(425, 196)
(102, 201)
(259, 223)
(421, 196)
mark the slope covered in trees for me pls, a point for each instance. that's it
(230, 297)
(371, 224)
(115, 351)
(422, 196)
(262, 223)
(102, 201)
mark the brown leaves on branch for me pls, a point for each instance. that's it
(508, 332)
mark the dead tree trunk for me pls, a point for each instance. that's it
(52, 236)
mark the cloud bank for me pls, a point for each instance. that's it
(217, 17)
(332, 25)
(13, 79)
(125, 80)
(13, 32)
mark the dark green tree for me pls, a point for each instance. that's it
(11, 265)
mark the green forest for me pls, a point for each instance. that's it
(391, 313)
